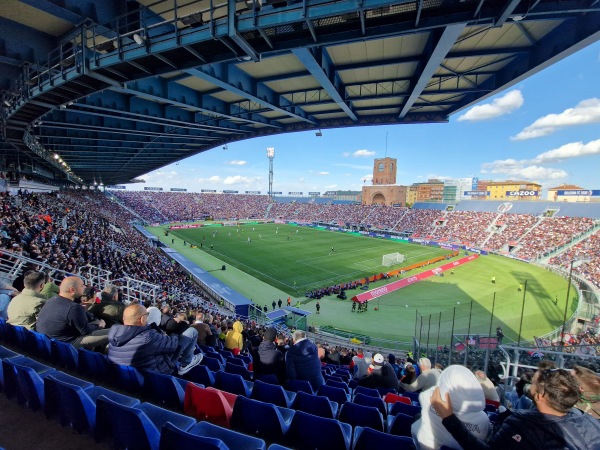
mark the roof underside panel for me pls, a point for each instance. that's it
(118, 89)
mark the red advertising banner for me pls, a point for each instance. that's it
(378, 292)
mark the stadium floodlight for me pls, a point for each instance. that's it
(270, 155)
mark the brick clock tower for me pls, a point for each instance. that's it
(384, 190)
(384, 171)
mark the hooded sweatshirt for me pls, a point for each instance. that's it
(234, 338)
(468, 403)
(142, 347)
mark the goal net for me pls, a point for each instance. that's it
(392, 258)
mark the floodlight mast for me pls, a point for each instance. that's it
(270, 155)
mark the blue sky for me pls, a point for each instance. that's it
(545, 129)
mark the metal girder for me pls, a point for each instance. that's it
(225, 76)
(507, 12)
(557, 45)
(165, 91)
(321, 71)
(441, 48)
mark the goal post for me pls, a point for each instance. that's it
(391, 259)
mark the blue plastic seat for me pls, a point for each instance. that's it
(225, 353)
(207, 349)
(367, 391)
(40, 345)
(64, 354)
(339, 384)
(361, 416)
(5, 353)
(22, 337)
(77, 404)
(384, 391)
(334, 394)
(261, 419)
(399, 407)
(218, 357)
(308, 431)
(414, 396)
(201, 375)
(238, 370)
(95, 365)
(272, 393)
(172, 438)
(234, 384)
(367, 400)
(399, 425)
(299, 386)
(23, 377)
(139, 427)
(164, 390)
(2, 328)
(232, 439)
(278, 447)
(367, 439)
(212, 363)
(128, 378)
(52, 404)
(236, 361)
(315, 404)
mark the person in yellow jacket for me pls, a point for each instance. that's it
(234, 338)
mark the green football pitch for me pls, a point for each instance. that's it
(285, 260)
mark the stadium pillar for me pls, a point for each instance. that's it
(522, 311)
(487, 350)
(468, 333)
(270, 155)
(451, 337)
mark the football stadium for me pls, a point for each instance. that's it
(164, 288)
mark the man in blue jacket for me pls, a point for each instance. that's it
(552, 424)
(302, 361)
(137, 344)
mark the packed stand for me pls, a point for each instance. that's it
(465, 227)
(513, 228)
(587, 250)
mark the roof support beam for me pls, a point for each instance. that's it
(439, 53)
(507, 13)
(230, 78)
(322, 72)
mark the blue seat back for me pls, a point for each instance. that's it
(95, 365)
(212, 363)
(238, 370)
(314, 404)
(403, 408)
(271, 393)
(65, 354)
(367, 391)
(367, 439)
(367, 400)
(232, 383)
(334, 394)
(258, 418)
(338, 384)
(163, 390)
(130, 427)
(128, 378)
(40, 345)
(172, 437)
(299, 386)
(399, 425)
(361, 416)
(76, 408)
(308, 431)
(201, 375)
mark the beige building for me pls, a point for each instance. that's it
(569, 193)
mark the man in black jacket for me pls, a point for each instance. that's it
(380, 374)
(553, 424)
(64, 320)
(266, 359)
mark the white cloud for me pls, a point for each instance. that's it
(586, 112)
(323, 173)
(238, 179)
(213, 179)
(363, 153)
(571, 150)
(500, 106)
(522, 169)
(236, 162)
(346, 154)
(331, 186)
(367, 177)
(433, 176)
(301, 180)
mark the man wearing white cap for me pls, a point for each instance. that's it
(427, 379)
(380, 374)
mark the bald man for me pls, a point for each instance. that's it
(138, 344)
(64, 320)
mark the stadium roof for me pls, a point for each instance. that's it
(119, 88)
